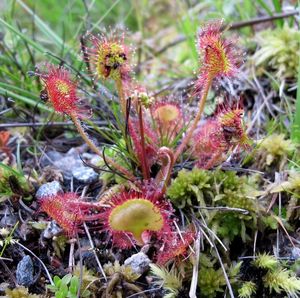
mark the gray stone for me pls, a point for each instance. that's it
(50, 157)
(49, 189)
(67, 164)
(51, 230)
(8, 220)
(139, 263)
(71, 162)
(295, 253)
(25, 271)
(85, 175)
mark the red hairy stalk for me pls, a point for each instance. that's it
(191, 130)
(150, 142)
(61, 90)
(219, 59)
(175, 247)
(67, 210)
(218, 136)
(145, 167)
(109, 57)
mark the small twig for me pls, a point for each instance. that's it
(94, 251)
(194, 282)
(224, 272)
(223, 208)
(39, 124)
(71, 254)
(239, 169)
(277, 181)
(12, 276)
(6, 259)
(254, 244)
(28, 209)
(264, 19)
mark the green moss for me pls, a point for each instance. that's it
(217, 189)
(247, 290)
(19, 292)
(181, 192)
(211, 281)
(279, 50)
(273, 151)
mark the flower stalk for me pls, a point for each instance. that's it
(201, 105)
(144, 164)
(120, 90)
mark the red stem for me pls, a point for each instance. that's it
(144, 164)
(201, 105)
(166, 157)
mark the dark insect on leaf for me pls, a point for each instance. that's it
(44, 95)
(123, 55)
(229, 133)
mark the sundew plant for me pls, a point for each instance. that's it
(181, 196)
(155, 134)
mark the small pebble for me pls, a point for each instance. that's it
(295, 253)
(49, 189)
(50, 157)
(139, 263)
(25, 271)
(85, 175)
(51, 230)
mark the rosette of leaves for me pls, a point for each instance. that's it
(67, 286)
(279, 51)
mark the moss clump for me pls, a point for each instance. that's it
(19, 292)
(273, 151)
(274, 278)
(279, 50)
(192, 187)
(211, 281)
(204, 188)
(247, 290)
(170, 280)
(181, 191)
(111, 268)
